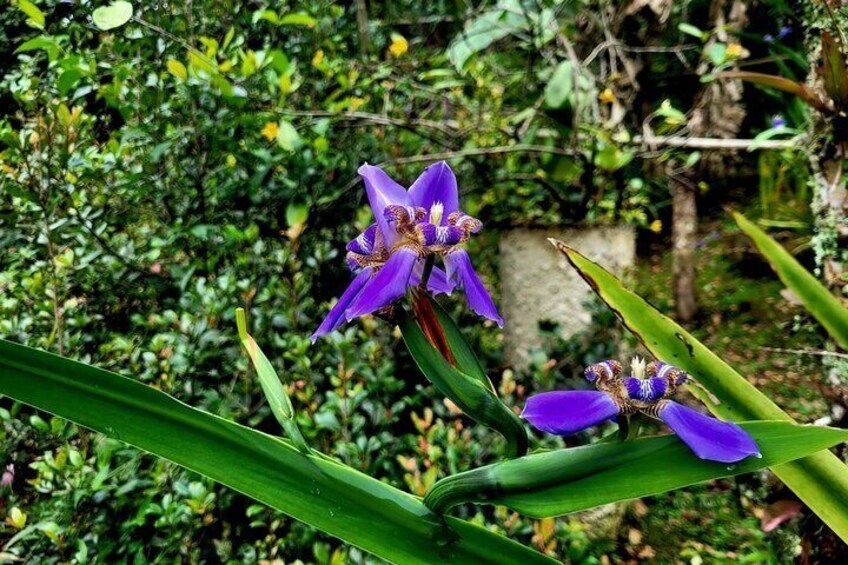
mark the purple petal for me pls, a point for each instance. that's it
(386, 286)
(438, 282)
(646, 390)
(363, 244)
(566, 412)
(709, 438)
(459, 269)
(383, 191)
(436, 184)
(336, 316)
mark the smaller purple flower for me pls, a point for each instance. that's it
(646, 391)
(8, 476)
(777, 121)
(410, 226)
(768, 38)
(784, 31)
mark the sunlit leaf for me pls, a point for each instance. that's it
(177, 69)
(298, 19)
(114, 15)
(689, 29)
(35, 15)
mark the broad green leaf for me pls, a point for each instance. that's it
(560, 91)
(820, 480)
(267, 15)
(177, 69)
(689, 29)
(823, 305)
(717, 53)
(41, 42)
(199, 61)
(567, 480)
(67, 80)
(472, 395)
(481, 32)
(319, 491)
(799, 89)
(297, 213)
(114, 15)
(298, 19)
(288, 138)
(35, 15)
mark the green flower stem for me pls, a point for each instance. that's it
(476, 399)
(275, 392)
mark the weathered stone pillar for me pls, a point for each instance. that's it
(538, 284)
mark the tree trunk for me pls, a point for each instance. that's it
(716, 112)
(684, 231)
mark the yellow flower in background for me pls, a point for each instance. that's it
(607, 96)
(736, 51)
(399, 45)
(271, 131)
(318, 58)
(656, 226)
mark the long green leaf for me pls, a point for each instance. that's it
(568, 480)
(826, 308)
(820, 480)
(314, 489)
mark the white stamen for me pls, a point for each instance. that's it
(437, 210)
(637, 367)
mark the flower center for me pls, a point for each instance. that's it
(437, 211)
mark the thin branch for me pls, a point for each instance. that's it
(715, 143)
(447, 155)
(449, 127)
(497, 150)
(816, 352)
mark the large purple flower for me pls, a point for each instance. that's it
(409, 227)
(568, 412)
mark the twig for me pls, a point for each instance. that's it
(716, 143)
(816, 352)
(449, 127)
(498, 150)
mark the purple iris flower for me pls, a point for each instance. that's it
(568, 412)
(410, 226)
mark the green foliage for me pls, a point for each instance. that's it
(143, 198)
